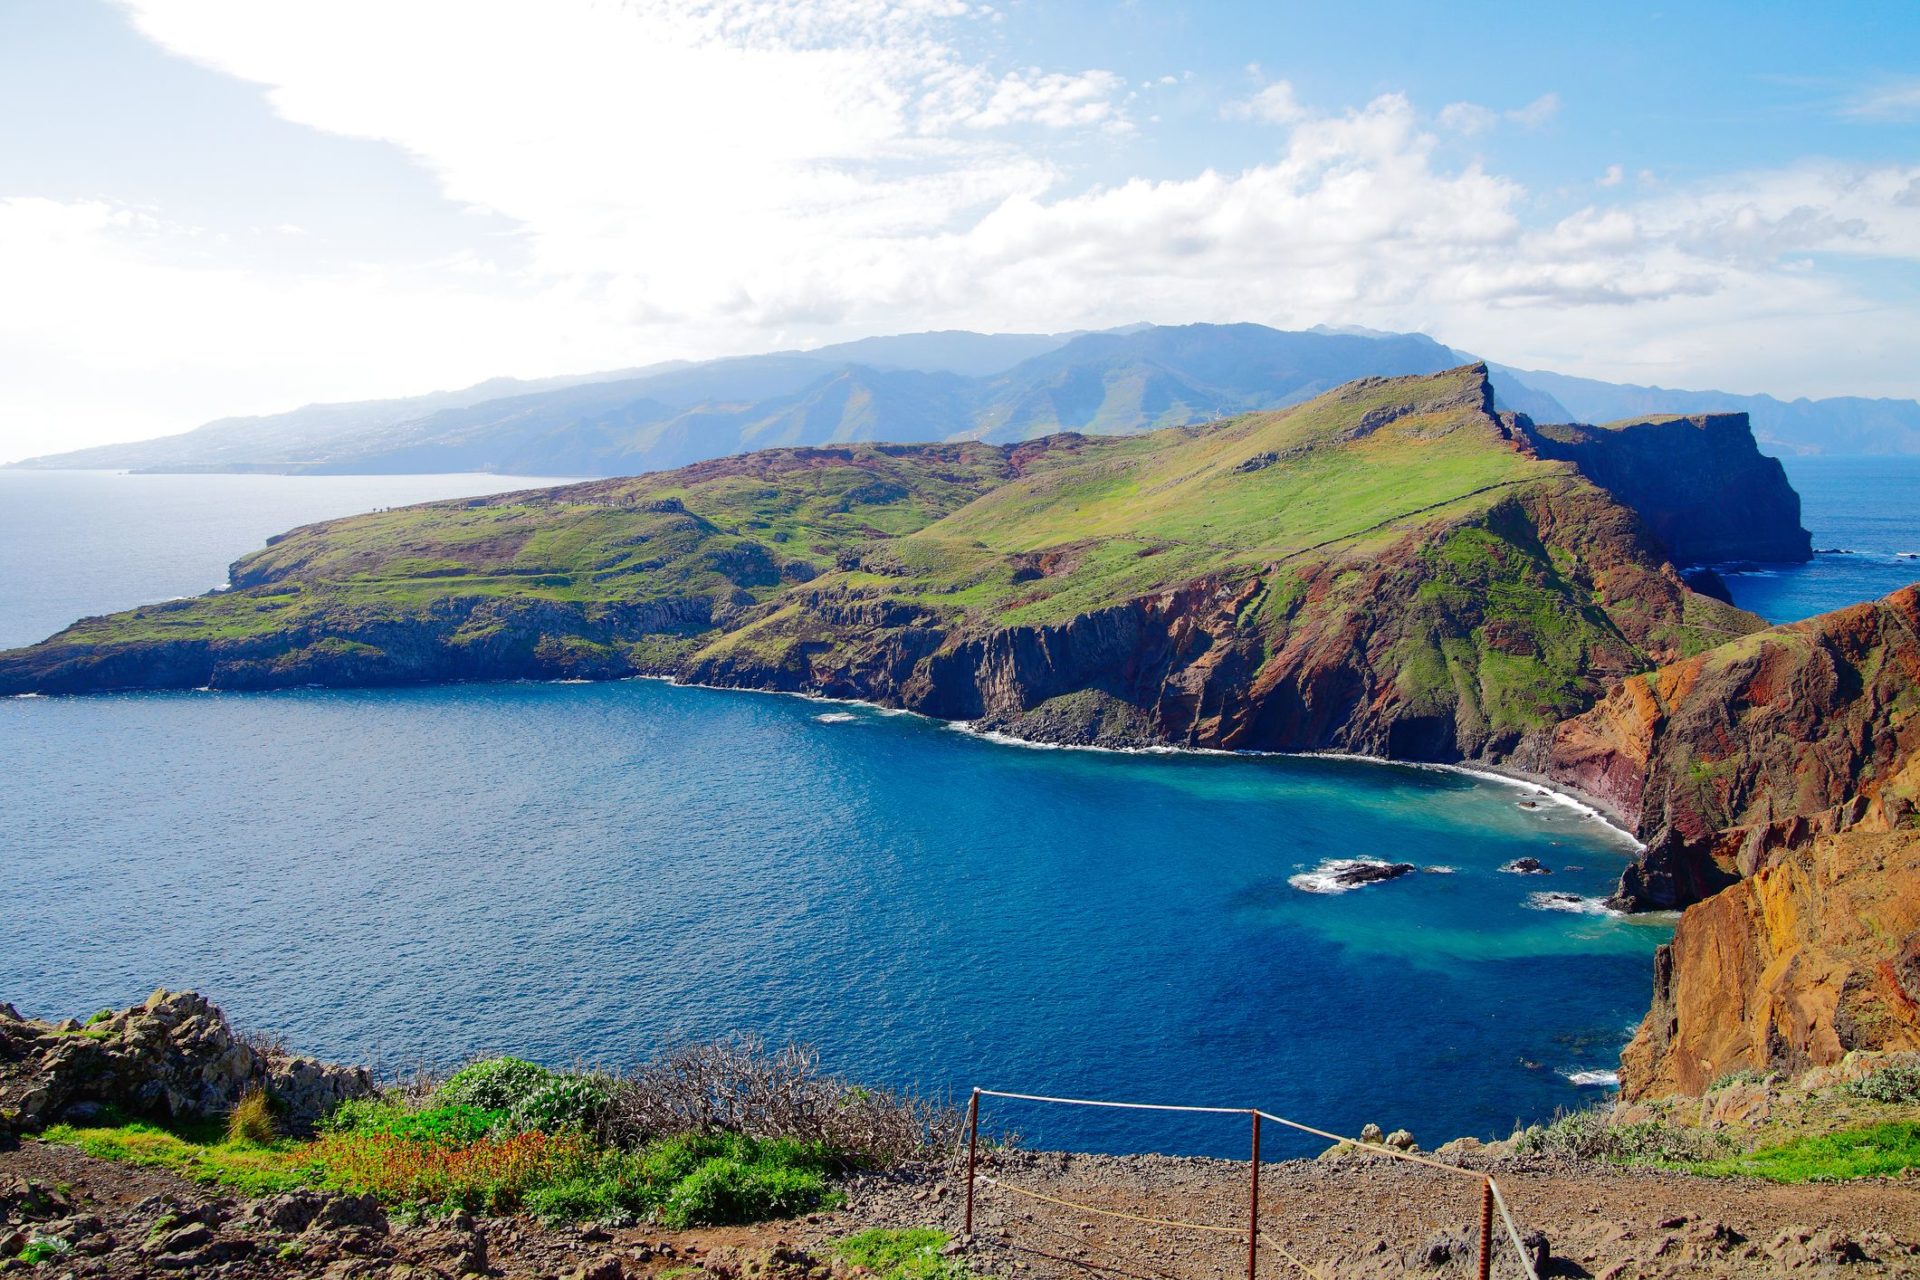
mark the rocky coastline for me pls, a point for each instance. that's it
(1528, 621)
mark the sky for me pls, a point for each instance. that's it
(219, 207)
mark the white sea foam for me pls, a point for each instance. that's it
(1593, 1079)
(1540, 790)
(1440, 870)
(1573, 903)
(973, 730)
(1325, 877)
(835, 717)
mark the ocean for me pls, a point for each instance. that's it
(583, 873)
(1864, 515)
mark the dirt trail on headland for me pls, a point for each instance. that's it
(1343, 1218)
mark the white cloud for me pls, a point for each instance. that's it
(1056, 100)
(1896, 101)
(1613, 177)
(1274, 104)
(692, 180)
(1537, 113)
(1467, 118)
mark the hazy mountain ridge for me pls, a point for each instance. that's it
(1836, 424)
(924, 387)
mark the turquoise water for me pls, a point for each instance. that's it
(580, 872)
(584, 871)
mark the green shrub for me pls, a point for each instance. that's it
(251, 1119)
(610, 1190)
(723, 1190)
(44, 1249)
(99, 1017)
(912, 1253)
(495, 1084)
(1897, 1082)
(564, 1103)
(667, 1161)
(1592, 1135)
(440, 1126)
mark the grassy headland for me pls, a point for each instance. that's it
(1387, 568)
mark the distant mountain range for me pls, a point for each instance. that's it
(922, 387)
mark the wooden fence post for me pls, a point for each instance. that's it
(973, 1144)
(1253, 1204)
(1486, 1229)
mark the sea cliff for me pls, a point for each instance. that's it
(1707, 492)
(1392, 569)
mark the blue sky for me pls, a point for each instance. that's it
(211, 207)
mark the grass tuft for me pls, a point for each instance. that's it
(251, 1122)
(911, 1253)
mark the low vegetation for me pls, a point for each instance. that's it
(912, 1253)
(1877, 1151)
(1595, 1134)
(1784, 1130)
(1896, 1083)
(705, 1134)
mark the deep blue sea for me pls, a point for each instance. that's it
(1864, 515)
(582, 872)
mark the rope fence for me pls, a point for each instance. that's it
(1491, 1198)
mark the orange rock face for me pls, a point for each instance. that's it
(1816, 954)
(1777, 781)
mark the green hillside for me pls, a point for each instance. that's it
(1388, 567)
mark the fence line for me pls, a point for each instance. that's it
(1491, 1197)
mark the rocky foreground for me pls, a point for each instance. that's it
(1352, 1212)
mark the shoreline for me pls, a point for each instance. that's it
(1557, 793)
(1587, 806)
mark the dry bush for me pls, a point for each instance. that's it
(251, 1119)
(264, 1044)
(740, 1086)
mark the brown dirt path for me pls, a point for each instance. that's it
(1346, 1218)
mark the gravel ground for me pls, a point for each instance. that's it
(1361, 1217)
(1373, 1217)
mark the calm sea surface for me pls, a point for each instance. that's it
(578, 872)
(74, 543)
(1864, 514)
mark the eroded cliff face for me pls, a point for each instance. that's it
(1815, 954)
(1777, 779)
(1718, 758)
(1700, 482)
(1455, 641)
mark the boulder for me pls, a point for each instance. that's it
(175, 1056)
